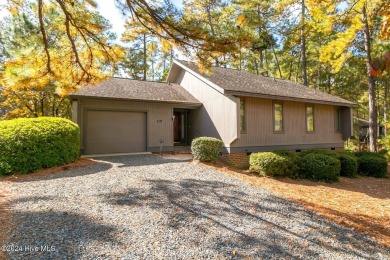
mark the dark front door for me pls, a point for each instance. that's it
(180, 126)
(176, 126)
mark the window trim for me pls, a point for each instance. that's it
(273, 117)
(337, 119)
(314, 119)
(244, 130)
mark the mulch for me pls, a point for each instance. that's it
(362, 204)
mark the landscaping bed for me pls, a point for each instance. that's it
(361, 203)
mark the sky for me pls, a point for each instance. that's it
(109, 11)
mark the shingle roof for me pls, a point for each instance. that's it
(122, 88)
(231, 80)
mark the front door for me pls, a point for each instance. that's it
(180, 127)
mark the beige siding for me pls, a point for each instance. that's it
(218, 117)
(159, 117)
(259, 127)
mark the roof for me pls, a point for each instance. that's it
(243, 83)
(123, 88)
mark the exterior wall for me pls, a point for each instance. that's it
(159, 119)
(259, 135)
(218, 117)
(237, 160)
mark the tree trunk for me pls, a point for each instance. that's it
(303, 45)
(318, 76)
(277, 61)
(371, 86)
(208, 10)
(144, 61)
(261, 59)
(256, 66)
(385, 104)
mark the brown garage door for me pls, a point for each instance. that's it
(115, 132)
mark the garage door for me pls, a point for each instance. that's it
(115, 132)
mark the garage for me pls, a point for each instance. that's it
(110, 132)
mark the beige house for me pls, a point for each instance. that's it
(249, 113)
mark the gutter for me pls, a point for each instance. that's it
(73, 97)
(304, 100)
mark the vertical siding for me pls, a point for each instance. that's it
(218, 117)
(159, 117)
(260, 132)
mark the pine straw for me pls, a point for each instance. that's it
(81, 162)
(362, 204)
(6, 217)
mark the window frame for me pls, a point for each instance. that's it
(274, 119)
(306, 119)
(243, 131)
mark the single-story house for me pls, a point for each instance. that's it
(249, 113)
(362, 125)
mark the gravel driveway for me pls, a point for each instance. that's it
(137, 207)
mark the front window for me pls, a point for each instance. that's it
(310, 118)
(242, 116)
(278, 117)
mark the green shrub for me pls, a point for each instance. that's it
(364, 153)
(320, 151)
(206, 149)
(320, 167)
(28, 144)
(372, 165)
(277, 163)
(349, 164)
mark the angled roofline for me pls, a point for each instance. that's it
(173, 102)
(253, 94)
(304, 100)
(211, 84)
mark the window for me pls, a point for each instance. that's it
(242, 116)
(278, 117)
(337, 120)
(310, 118)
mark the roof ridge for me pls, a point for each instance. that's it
(140, 80)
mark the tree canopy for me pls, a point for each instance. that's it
(49, 48)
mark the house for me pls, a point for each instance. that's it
(362, 125)
(249, 113)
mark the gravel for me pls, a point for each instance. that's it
(137, 207)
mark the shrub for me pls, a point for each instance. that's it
(28, 144)
(277, 163)
(320, 167)
(349, 164)
(372, 165)
(364, 153)
(320, 151)
(206, 149)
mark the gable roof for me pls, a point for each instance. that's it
(123, 88)
(242, 83)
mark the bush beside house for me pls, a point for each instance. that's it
(206, 149)
(318, 165)
(349, 165)
(29, 144)
(372, 164)
(277, 163)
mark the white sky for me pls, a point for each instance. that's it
(109, 11)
